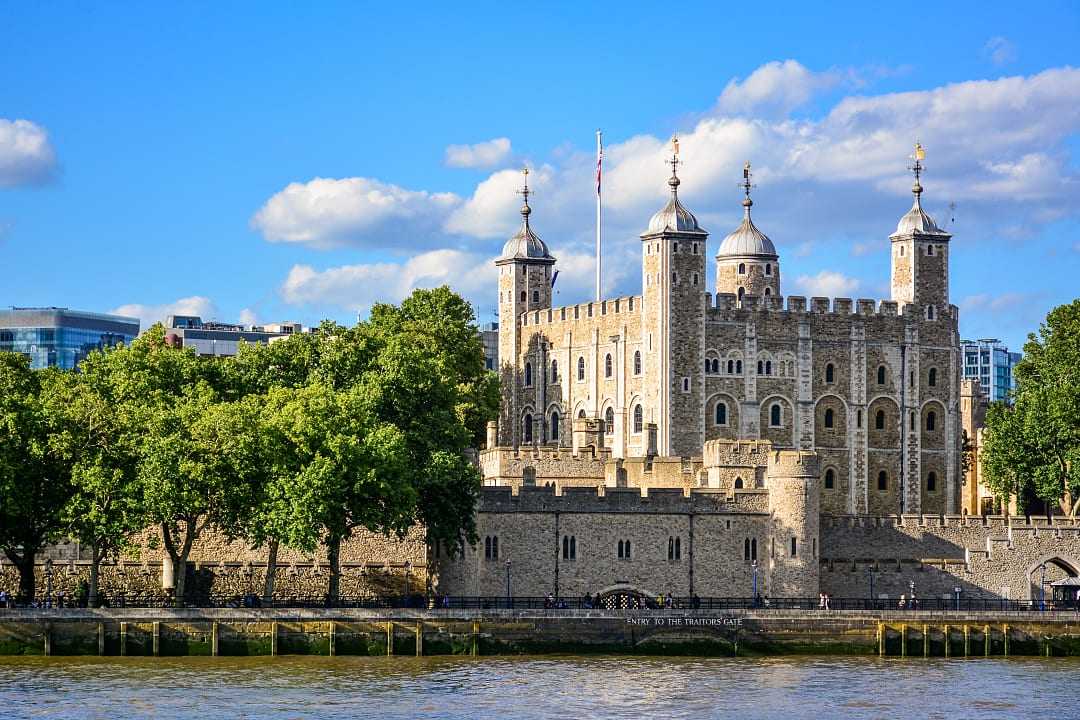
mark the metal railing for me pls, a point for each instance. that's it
(612, 602)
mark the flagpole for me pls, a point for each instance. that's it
(599, 167)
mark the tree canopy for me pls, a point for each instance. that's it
(1031, 449)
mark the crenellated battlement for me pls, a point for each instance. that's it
(628, 305)
(698, 501)
(800, 305)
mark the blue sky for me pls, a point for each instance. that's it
(266, 162)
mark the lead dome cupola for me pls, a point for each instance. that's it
(747, 240)
(525, 244)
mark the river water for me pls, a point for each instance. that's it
(577, 688)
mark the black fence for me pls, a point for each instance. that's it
(611, 602)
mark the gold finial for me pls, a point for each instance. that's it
(674, 181)
(918, 156)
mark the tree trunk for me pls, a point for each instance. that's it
(333, 555)
(26, 577)
(271, 573)
(179, 555)
(95, 568)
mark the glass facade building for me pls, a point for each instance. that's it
(991, 363)
(58, 337)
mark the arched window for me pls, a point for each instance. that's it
(609, 421)
(620, 549)
(528, 475)
(768, 269)
(607, 365)
(738, 483)
(716, 365)
(627, 550)
(760, 368)
(753, 548)
(930, 250)
(742, 268)
(881, 375)
(637, 362)
(581, 368)
(793, 548)
(524, 296)
(638, 419)
(932, 379)
(555, 425)
(742, 291)
(526, 428)
(830, 373)
(738, 367)
(774, 415)
(768, 367)
(487, 547)
(882, 480)
(554, 371)
(828, 417)
(830, 479)
(911, 422)
(746, 549)
(730, 367)
(678, 548)
(536, 296)
(858, 419)
(581, 413)
(929, 312)
(670, 548)
(879, 420)
(768, 292)
(931, 421)
(721, 413)
(528, 374)
(931, 482)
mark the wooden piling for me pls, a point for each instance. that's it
(419, 639)
(986, 641)
(389, 637)
(1005, 632)
(48, 639)
(101, 638)
(157, 638)
(215, 634)
(947, 641)
(475, 638)
(967, 641)
(925, 640)
(123, 639)
(333, 638)
(273, 638)
(903, 640)
(881, 639)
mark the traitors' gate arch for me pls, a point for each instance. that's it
(624, 596)
(1058, 567)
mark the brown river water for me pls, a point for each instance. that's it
(577, 688)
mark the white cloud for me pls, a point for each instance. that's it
(481, 155)
(1000, 147)
(248, 317)
(775, 87)
(325, 212)
(999, 50)
(357, 287)
(204, 307)
(827, 283)
(26, 156)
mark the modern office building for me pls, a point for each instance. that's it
(223, 339)
(59, 337)
(489, 335)
(991, 363)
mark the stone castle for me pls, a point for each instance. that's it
(730, 443)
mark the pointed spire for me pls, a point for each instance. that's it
(746, 186)
(524, 192)
(673, 182)
(918, 156)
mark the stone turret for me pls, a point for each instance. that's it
(747, 263)
(794, 502)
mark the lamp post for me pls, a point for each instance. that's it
(870, 577)
(911, 598)
(48, 582)
(754, 566)
(1042, 588)
(508, 600)
(956, 591)
(408, 566)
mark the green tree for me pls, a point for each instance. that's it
(339, 468)
(1033, 447)
(96, 432)
(34, 482)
